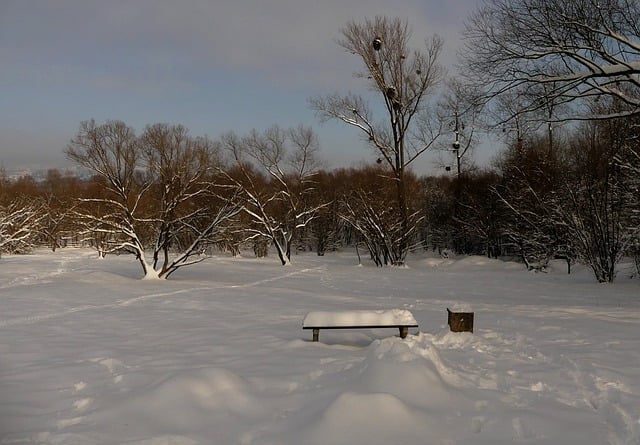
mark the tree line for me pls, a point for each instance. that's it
(170, 198)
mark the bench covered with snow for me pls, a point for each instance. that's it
(394, 318)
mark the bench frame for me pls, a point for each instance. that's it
(404, 328)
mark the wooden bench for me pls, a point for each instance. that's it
(400, 319)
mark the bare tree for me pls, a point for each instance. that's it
(629, 162)
(528, 186)
(151, 189)
(372, 224)
(59, 197)
(563, 52)
(599, 203)
(112, 152)
(275, 170)
(460, 110)
(404, 80)
(580, 203)
(20, 225)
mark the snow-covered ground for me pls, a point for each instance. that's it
(91, 354)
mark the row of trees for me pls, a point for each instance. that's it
(578, 200)
(34, 213)
(168, 197)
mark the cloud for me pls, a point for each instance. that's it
(289, 41)
(286, 38)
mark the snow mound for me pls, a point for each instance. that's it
(472, 262)
(401, 368)
(394, 395)
(207, 389)
(434, 262)
(186, 401)
(348, 419)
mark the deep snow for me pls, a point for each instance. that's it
(92, 354)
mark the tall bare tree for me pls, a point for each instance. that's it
(404, 79)
(560, 52)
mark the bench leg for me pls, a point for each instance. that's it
(316, 334)
(403, 331)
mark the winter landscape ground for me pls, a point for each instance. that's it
(91, 354)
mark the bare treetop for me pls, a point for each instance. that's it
(578, 49)
(403, 76)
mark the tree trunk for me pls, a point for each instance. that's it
(284, 259)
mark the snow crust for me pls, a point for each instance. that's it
(460, 307)
(391, 317)
(91, 354)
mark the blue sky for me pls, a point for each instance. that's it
(213, 66)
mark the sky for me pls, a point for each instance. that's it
(212, 66)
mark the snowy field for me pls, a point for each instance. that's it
(91, 354)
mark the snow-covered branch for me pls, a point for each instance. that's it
(20, 225)
(276, 186)
(581, 49)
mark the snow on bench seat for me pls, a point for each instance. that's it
(394, 318)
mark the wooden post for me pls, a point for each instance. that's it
(316, 334)
(460, 321)
(403, 331)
